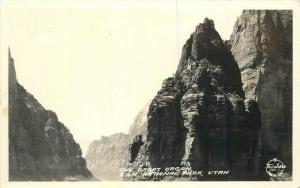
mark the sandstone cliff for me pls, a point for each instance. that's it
(262, 46)
(40, 147)
(199, 118)
(105, 157)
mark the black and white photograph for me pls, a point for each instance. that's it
(149, 91)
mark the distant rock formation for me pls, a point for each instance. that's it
(105, 157)
(40, 147)
(199, 119)
(262, 46)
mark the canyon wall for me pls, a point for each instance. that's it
(41, 148)
(262, 43)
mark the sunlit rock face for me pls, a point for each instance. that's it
(199, 118)
(107, 156)
(41, 148)
(262, 46)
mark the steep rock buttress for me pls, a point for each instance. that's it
(199, 118)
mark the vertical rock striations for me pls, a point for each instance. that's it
(40, 147)
(262, 46)
(199, 119)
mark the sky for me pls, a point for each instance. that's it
(97, 63)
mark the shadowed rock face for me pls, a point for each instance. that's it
(40, 147)
(262, 46)
(198, 119)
